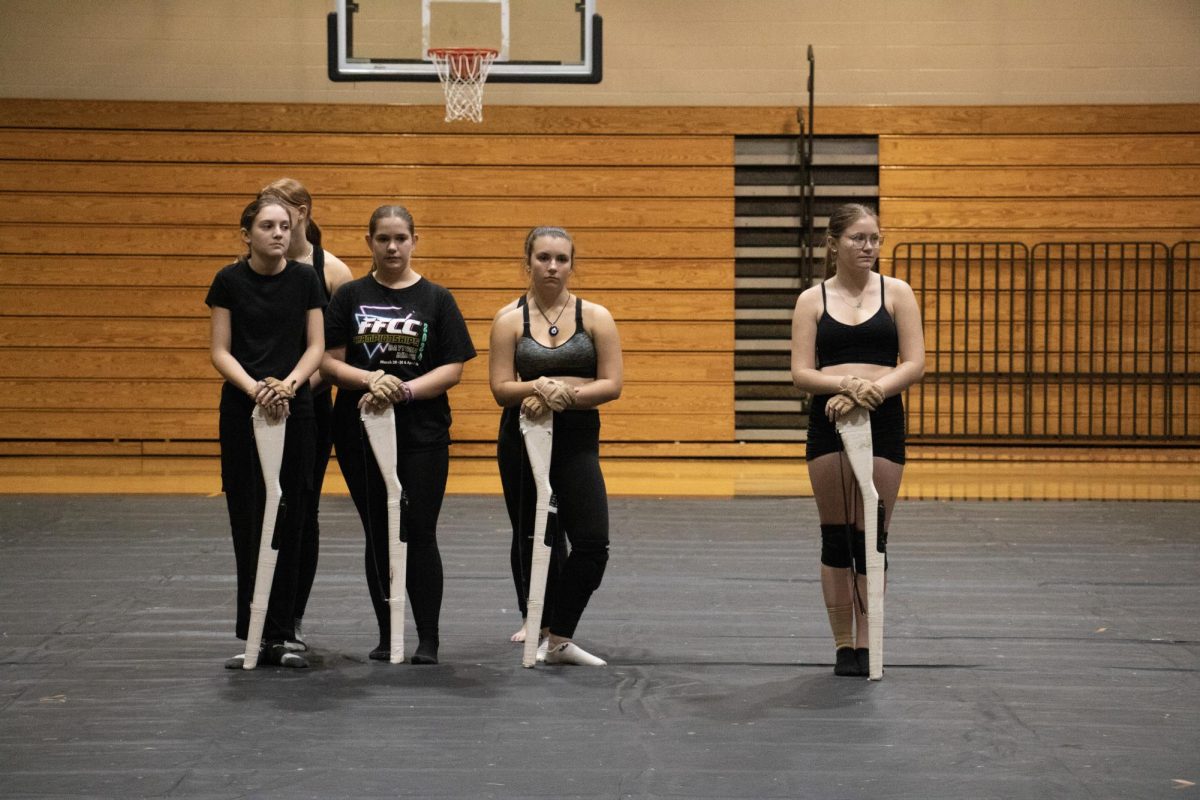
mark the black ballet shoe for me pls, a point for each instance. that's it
(863, 655)
(427, 652)
(846, 665)
(380, 653)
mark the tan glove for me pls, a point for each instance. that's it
(863, 392)
(556, 394)
(368, 401)
(534, 407)
(384, 387)
(286, 391)
(266, 396)
(839, 406)
(278, 411)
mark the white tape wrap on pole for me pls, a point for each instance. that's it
(855, 431)
(539, 442)
(269, 437)
(381, 433)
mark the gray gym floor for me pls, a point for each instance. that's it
(1034, 650)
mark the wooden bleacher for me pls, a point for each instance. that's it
(115, 215)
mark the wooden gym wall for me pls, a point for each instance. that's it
(115, 215)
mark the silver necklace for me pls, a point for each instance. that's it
(861, 297)
(553, 325)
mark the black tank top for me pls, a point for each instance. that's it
(874, 341)
(576, 357)
(319, 265)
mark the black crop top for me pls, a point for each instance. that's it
(576, 357)
(874, 341)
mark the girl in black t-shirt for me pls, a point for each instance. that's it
(332, 272)
(267, 339)
(395, 337)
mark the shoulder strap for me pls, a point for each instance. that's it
(525, 317)
(824, 302)
(319, 266)
(578, 312)
(881, 285)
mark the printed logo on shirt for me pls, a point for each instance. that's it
(389, 336)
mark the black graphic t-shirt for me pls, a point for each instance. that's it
(404, 332)
(268, 317)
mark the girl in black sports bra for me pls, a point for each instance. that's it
(856, 341)
(558, 354)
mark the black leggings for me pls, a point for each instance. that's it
(245, 498)
(310, 539)
(578, 486)
(515, 478)
(422, 473)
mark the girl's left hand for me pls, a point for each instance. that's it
(838, 406)
(369, 402)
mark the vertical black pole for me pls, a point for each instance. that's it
(807, 188)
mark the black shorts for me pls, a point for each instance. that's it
(887, 430)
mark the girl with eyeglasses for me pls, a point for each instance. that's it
(856, 341)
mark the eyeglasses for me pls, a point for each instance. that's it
(861, 240)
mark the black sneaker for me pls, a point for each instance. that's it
(380, 653)
(863, 655)
(237, 662)
(296, 644)
(277, 655)
(426, 652)
(846, 664)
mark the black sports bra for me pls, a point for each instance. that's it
(576, 357)
(873, 341)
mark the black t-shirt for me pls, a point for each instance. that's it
(404, 332)
(268, 317)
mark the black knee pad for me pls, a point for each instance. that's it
(835, 547)
(860, 552)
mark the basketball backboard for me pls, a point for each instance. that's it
(539, 41)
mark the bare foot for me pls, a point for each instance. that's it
(519, 636)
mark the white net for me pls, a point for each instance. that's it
(463, 72)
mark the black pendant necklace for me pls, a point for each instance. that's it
(553, 325)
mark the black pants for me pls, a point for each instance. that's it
(245, 497)
(578, 486)
(422, 474)
(310, 538)
(515, 479)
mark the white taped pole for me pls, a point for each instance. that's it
(269, 435)
(380, 426)
(539, 442)
(855, 430)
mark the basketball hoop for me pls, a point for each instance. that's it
(462, 71)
